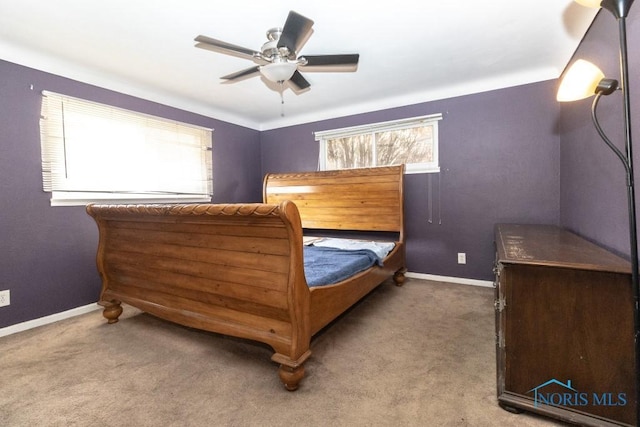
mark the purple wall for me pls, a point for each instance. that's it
(593, 191)
(47, 254)
(499, 159)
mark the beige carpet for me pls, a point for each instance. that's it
(420, 355)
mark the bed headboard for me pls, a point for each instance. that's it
(369, 199)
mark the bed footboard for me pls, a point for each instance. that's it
(234, 269)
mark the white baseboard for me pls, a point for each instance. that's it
(13, 329)
(459, 280)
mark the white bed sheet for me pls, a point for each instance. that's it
(381, 249)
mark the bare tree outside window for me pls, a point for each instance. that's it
(350, 153)
(412, 142)
(414, 145)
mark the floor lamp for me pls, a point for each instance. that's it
(582, 80)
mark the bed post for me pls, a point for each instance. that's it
(291, 369)
(399, 277)
(112, 310)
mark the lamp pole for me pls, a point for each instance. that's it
(620, 9)
(633, 234)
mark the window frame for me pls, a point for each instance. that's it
(410, 168)
(149, 129)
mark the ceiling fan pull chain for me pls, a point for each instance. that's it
(281, 98)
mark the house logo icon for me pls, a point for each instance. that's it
(550, 398)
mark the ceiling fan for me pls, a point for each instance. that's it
(278, 59)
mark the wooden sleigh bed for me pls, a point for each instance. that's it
(237, 269)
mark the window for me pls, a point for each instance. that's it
(94, 152)
(413, 142)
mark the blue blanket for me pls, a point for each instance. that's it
(325, 266)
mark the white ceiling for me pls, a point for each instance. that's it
(411, 51)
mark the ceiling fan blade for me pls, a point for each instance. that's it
(331, 60)
(298, 81)
(219, 46)
(295, 32)
(243, 73)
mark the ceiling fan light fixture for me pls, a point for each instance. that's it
(279, 71)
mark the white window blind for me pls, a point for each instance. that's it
(96, 152)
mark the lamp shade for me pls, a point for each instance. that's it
(589, 3)
(580, 81)
(279, 71)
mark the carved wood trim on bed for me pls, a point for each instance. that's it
(237, 269)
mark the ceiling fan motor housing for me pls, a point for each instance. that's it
(270, 50)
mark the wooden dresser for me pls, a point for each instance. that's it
(564, 327)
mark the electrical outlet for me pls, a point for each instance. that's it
(462, 258)
(5, 298)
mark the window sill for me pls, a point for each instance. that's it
(82, 199)
(409, 170)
